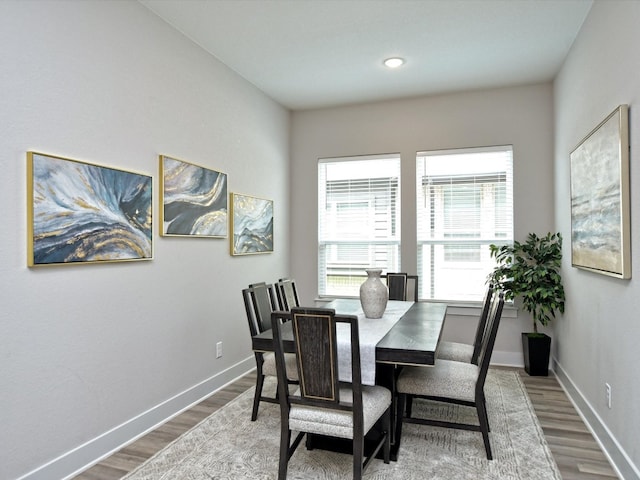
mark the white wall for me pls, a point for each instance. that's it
(521, 116)
(597, 339)
(87, 349)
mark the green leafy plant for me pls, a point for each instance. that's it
(531, 271)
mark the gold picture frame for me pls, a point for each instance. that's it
(79, 213)
(251, 225)
(193, 200)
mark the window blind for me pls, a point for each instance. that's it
(464, 204)
(358, 220)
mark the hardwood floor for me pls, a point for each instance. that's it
(576, 452)
(574, 449)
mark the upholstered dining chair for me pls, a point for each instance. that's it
(464, 352)
(323, 405)
(452, 382)
(402, 286)
(259, 302)
(287, 294)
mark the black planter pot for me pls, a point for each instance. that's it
(536, 349)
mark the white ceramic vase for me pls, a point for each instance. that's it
(373, 295)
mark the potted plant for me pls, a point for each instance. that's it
(530, 271)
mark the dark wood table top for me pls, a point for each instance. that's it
(413, 340)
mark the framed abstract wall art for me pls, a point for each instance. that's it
(79, 213)
(251, 224)
(600, 217)
(193, 200)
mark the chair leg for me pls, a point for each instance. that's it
(484, 428)
(358, 458)
(399, 414)
(257, 395)
(308, 443)
(484, 409)
(409, 405)
(285, 439)
(386, 422)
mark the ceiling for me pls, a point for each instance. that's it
(318, 53)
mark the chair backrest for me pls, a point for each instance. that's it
(397, 283)
(287, 294)
(402, 286)
(493, 322)
(259, 302)
(482, 323)
(314, 334)
(412, 288)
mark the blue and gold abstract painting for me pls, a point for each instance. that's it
(81, 213)
(193, 200)
(252, 220)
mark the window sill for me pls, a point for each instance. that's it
(474, 310)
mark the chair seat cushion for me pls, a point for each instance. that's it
(446, 379)
(269, 365)
(339, 423)
(459, 352)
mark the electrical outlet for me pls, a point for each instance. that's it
(607, 388)
(218, 349)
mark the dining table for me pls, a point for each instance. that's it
(407, 334)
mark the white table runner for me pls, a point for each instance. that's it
(372, 330)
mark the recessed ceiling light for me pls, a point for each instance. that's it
(394, 62)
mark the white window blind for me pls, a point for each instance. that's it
(358, 220)
(464, 204)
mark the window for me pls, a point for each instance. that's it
(464, 204)
(358, 220)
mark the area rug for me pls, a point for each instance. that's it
(229, 446)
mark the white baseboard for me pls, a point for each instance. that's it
(618, 458)
(75, 461)
(79, 459)
(507, 359)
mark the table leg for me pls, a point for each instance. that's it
(386, 375)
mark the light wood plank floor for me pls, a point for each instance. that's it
(574, 449)
(576, 452)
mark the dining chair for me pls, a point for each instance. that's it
(412, 288)
(259, 302)
(464, 352)
(397, 284)
(287, 294)
(323, 405)
(452, 382)
(402, 286)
